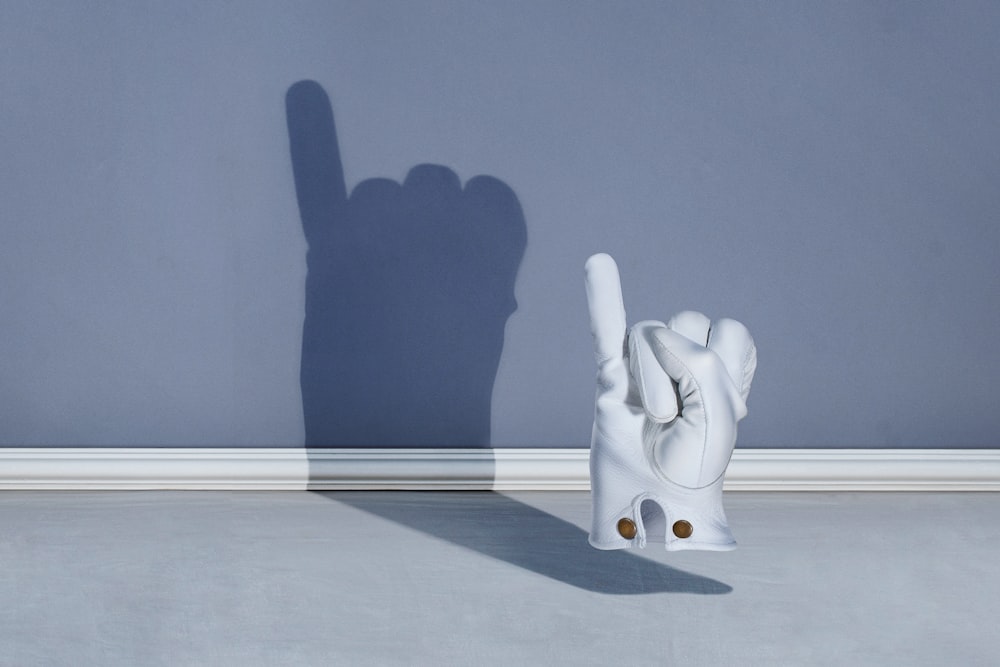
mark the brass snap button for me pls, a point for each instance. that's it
(626, 528)
(683, 529)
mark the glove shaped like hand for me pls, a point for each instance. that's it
(669, 397)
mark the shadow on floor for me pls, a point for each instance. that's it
(506, 529)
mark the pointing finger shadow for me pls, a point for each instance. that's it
(409, 286)
(500, 527)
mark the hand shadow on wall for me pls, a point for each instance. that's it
(408, 291)
(500, 527)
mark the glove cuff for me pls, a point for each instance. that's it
(690, 519)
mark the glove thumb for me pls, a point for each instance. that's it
(656, 390)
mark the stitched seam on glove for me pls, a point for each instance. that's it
(750, 354)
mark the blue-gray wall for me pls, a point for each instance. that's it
(826, 172)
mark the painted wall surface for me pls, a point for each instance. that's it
(825, 172)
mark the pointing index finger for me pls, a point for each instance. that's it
(607, 310)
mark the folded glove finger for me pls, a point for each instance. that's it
(733, 343)
(685, 362)
(656, 388)
(692, 325)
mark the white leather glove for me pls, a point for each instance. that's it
(668, 400)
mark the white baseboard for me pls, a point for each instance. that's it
(476, 469)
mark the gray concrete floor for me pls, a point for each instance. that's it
(411, 578)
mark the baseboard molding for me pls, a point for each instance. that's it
(475, 469)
